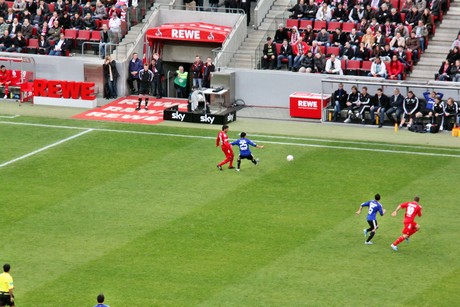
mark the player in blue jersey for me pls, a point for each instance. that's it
(374, 207)
(245, 153)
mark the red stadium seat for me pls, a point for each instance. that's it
(348, 26)
(304, 23)
(366, 67)
(319, 24)
(344, 64)
(83, 35)
(323, 49)
(353, 66)
(51, 7)
(71, 35)
(395, 4)
(333, 50)
(32, 45)
(95, 36)
(290, 23)
(403, 17)
(334, 25)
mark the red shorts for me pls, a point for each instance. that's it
(227, 149)
(409, 227)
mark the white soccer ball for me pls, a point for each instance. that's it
(290, 157)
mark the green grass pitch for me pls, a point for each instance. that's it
(146, 218)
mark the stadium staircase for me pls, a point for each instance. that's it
(244, 57)
(438, 46)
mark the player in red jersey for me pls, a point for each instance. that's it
(5, 79)
(222, 139)
(410, 226)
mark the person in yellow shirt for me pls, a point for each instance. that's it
(6, 287)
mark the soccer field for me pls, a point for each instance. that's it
(142, 214)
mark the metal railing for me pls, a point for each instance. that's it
(218, 51)
(109, 45)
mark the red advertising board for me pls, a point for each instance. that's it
(190, 31)
(307, 105)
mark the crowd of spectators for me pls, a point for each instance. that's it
(396, 109)
(383, 32)
(450, 67)
(46, 22)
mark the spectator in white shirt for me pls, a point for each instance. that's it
(115, 27)
(378, 69)
(334, 66)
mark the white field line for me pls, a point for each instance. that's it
(45, 148)
(267, 142)
(9, 116)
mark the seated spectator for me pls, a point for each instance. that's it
(59, 6)
(27, 29)
(397, 41)
(387, 29)
(395, 17)
(421, 32)
(340, 13)
(19, 44)
(124, 13)
(412, 17)
(386, 54)
(354, 39)
(378, 69)
(352, 103)
(456, 43)
(299, 50)
(115, 27)
(395, 109)
(436, 8)
(383, 14)
(314, 47)
(27, 15)
(364, 104)
(324, 13)
(14, 27)
(368, 39)
(450, 114)
(285, 53)
(3, 7)
(356, 14)
(453, 55)
(369, 13)
(310, 11)
(61, 46)
(74, 8)
(18, 7)
(37, 19)
(295, 34)
(333, 66)
(411, 106)
(77, 22)
(380, 39)
(427, 21)
(374, 25)
(347, 52)
(443, 73)
(43, 45)
(395, 69)
(323, 38)
(269, 54)
(339, 101)
(376, 50)
(65, 20)
(5, 41)
(320, 62)
(362, 53)
(281, 34)
(338, 38)
(307, 64)
(380, 105)
(406, 6)
(54, 32)
(51, 20)
(88, 22)
(362, 27)
(100, 12)
(297, 10)
(420, 5)
(437, 114)
(87, 9)
(308, 35)
(454, 71)
(413, 46)
(45, 8)
(401, 54)
(9, 17)
(403, 30)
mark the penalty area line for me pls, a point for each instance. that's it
(45, 148)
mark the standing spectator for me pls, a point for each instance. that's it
(135, 65)
(222, 140)
(454, 71)
(352, 103)
(213, 4)
(333, 66)
(379, 106)
(281, 34)
(190, 5)
(100, 301)
(269, 54)
(339, 97)
(374, 207)
(410, 226)
(450, 114)
(396, 106)
(285, 53)
(395, 69)
(323, 38)
(298, 10)
(411, 106)
(209, 68)
(106, 40)
(307, 65)
(110, 77)
(156, 77)
(158, 90)
(180, 82)
(197, 72)
(6, 286)
(378, 69)
(246, 7)
(245, 153)
(145, 80)
(5, 81)
(115, 27)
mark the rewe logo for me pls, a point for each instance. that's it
(178, 116)
(193, 34)
(309, 104)
(207, 119)
(230, 117)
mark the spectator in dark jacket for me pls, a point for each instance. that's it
(269, 54)
(285, 53)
